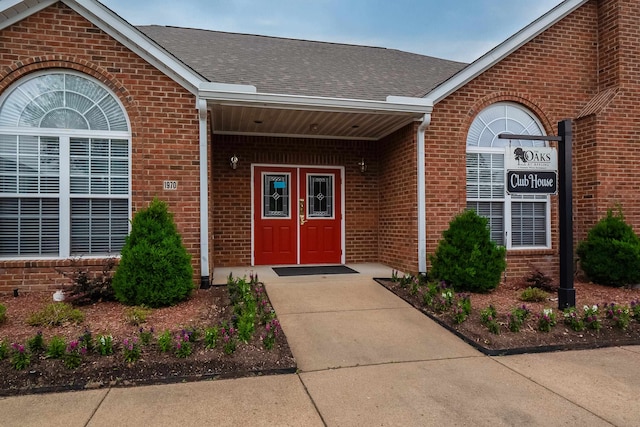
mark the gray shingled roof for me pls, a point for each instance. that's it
(299, 67)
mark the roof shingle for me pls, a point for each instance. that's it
(299, 67)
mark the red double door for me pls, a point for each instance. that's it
(297, 215)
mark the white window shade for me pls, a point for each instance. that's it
(514, 221)
(65, 186)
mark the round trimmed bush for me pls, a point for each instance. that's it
(155, 268)
(610, 255)
(466, 258)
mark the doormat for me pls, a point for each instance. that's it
(311, 271)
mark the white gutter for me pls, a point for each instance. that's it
(204, 196)
(246, 95)
(422, 198)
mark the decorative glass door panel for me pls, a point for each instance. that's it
(276, 196)
(306, 231)
(320, 196)
(275, 228)
(321, 233)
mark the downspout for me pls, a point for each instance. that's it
(204, 196)
(422, 209)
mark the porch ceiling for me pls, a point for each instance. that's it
(304, 123)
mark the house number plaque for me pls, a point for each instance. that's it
(170, 185)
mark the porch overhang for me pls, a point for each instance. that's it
(241, 110)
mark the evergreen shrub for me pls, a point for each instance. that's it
(155, 268)
(466, 258)
(610, 255)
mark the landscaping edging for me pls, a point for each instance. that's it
(506, 351)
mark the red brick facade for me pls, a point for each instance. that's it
(163, 117)
(585, 67)
(554, 76)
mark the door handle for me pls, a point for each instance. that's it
(302, 219)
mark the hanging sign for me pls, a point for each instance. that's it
(531, 170)
(532, 182)
(531, 158)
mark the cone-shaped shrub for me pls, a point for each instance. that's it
(155, 268)
(610, 255)
(466, 258)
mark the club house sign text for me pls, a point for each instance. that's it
(532, 170)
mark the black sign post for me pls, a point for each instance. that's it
(566, 292)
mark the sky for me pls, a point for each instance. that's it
(459, 30)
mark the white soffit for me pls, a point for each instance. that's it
(504, 49)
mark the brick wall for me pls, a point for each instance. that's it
(617, 141)
(163, 118)
(554, 76)
(231, 190)
(398, 200)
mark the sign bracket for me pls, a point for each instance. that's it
(566, 292)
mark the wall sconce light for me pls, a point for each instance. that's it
(233, 162)
(363, 165)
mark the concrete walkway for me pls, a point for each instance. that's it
(366, 358)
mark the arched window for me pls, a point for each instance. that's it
(64, 168)
(515, 221)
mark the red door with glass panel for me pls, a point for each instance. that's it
(297, 216)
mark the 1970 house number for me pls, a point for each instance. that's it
(171, 185)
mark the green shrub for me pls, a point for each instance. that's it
(466, 258)
(610, 255)
(136, 316)
(165, 344)
(3, 314)
(36, 343)
(4, 349)
(56, 348)
(56, 314)
(155, 268)
(533, 295)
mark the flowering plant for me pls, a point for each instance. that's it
(621, 316)
(272, 329)
(546, 320)
(572, 319)
(462, 308)
(131, 350)
(591, 320)
(516, 318)
(21, 358)
(183, 347)
(488, 317)
(73, 354)
(229, 339)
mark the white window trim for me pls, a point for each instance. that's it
(508, 199)
(64, 196)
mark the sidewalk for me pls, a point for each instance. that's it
(366, 358)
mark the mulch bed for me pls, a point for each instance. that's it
(205, 308)
(530, 339)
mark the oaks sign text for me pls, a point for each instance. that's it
(532, 170)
